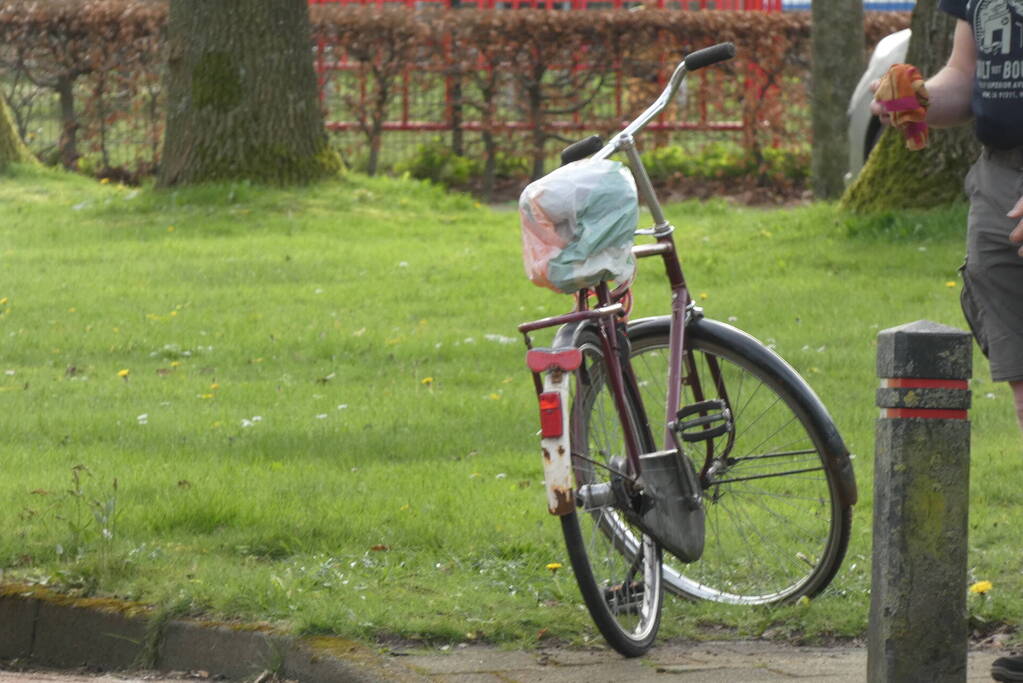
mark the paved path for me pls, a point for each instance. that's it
(716, 662)
(719, 662)
(62, 677)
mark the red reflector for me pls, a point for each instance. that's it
(924, 413)
(913, 383)
(551, 425)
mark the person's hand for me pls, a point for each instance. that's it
(1017, 233)
(875, 107)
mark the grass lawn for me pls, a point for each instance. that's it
(310, 407)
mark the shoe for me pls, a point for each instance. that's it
(1007, 669)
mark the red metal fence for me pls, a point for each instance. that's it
(427, 97)
(754, 5)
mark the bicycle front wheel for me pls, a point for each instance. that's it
(776, 527)
(617, 567)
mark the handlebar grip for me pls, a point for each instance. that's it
(709, 55)
(581, 149)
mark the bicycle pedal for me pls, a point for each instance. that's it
(713, 419)
(625, 598)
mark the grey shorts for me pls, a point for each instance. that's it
(992, 295)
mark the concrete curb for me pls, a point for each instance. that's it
(48, 630)
(64, 633)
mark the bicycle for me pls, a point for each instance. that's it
(744, 498)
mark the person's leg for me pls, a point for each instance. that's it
(992, 295)
(1017, 395)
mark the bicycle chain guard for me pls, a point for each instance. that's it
(675, 514)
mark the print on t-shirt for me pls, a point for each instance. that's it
(998, 29)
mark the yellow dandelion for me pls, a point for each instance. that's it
(704, 296)
(205, 396)
(950, 283)
(214, 386)
(104, 181)
(3, 301)
(427, 381)
(981, 587)
(175, 364)
(123, 373)
(494, 397)
(553, 567)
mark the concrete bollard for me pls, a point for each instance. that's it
(918, 624)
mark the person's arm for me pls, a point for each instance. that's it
(1017, 233)
(951, 89)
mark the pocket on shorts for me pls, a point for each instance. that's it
(973, 313)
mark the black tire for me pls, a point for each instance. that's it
(770, 539)
(617, 567)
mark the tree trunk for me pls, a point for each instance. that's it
(376, 141)
(12, 149)
(896, 178)
(241, 94)
(534, 99)
(65, 88)
(490, 164)
(837, 51)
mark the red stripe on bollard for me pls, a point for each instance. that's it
(914, 383)
(925, 413)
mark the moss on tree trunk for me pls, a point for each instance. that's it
(896, 178)
(12, 149)
(242, 94)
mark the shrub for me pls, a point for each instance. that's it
(715, 161)
(436, 162)
(723, 161)
(786, 164)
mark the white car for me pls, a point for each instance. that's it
(864, 127)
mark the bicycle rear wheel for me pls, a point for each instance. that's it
(776, 527)
(617, 567)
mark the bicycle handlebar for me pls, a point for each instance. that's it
(709, 55)
(692, 62)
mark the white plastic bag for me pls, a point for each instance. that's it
(578, 225)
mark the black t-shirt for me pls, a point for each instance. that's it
(998, 83)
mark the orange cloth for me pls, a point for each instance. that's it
(903, 95)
